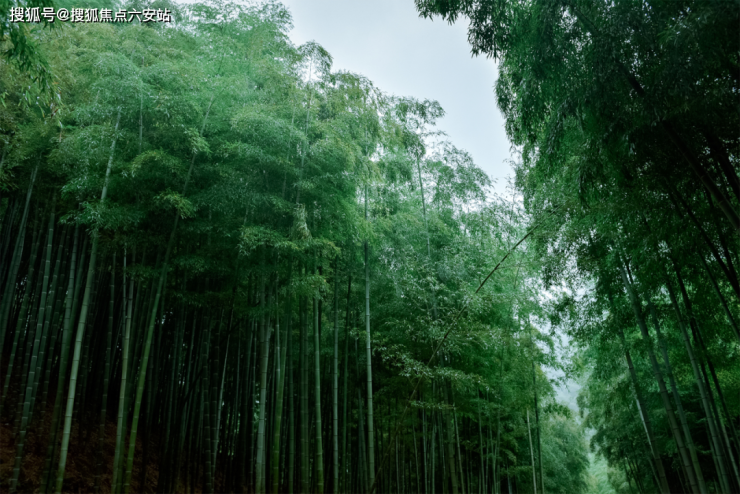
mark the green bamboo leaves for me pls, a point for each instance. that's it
(177, 236)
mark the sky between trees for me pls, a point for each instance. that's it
(404, 54)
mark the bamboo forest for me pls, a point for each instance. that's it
(228, 265)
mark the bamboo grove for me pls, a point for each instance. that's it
(225, 268)
(626, 116)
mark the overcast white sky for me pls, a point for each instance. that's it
(405, 55)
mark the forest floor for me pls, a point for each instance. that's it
(82, 460)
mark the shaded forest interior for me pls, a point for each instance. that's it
(228, 266)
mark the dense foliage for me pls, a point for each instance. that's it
(626, 114)
(226, 267)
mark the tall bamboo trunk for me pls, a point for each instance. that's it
(364, 476)
(537, 418)
(291, 415)
(662, 479)
(703, 391)
(122, 397)
(368, 357)
(335, 383)
(32, 370)
(319, 459)
(416, 460)
(147, 342)
(677, 435)
(345, 400)
(280, 353)
(10, 284)
(214, 402)
(5, 234)
(206, 407)
(106, 375)
(721, 297)
(42, 361)
(59, 283)
(155, 307)
(264, 351)
(727, 453)
(81, 326)
(457, 443)
(498, 420)
(449, 425)
(20, 329)
(219, 407)
(303, 364)
(730, 423)
(481, 481)
(63, 363)
(531, 452)
(677, 399)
